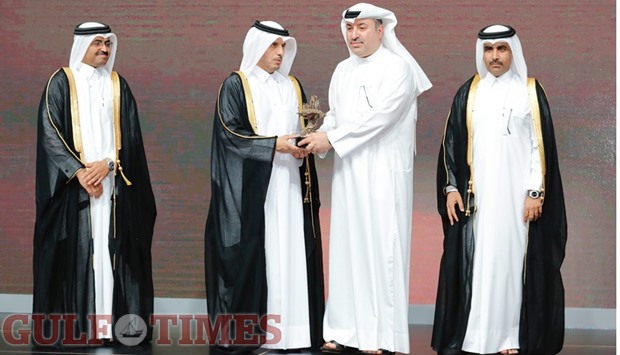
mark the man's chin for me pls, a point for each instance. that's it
(101, 64)
(357, 51)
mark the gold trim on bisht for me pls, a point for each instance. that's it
(75, 114)
(75, 118)
(308, 182)
(471, 103)
(307, 177)
(300, 100)
(250, 107)
(535, 108)
(49, 117)
(116, 91)
(116, 98)
(534, 105)
(248, 100)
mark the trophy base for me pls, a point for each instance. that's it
(299, 139)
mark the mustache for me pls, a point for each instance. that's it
(103, 52)
(495, 61)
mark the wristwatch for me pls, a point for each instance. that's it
(535, 194)
(110, 164)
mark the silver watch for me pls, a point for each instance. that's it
(535, 194)
(110, 164)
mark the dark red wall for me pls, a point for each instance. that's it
(176, 53)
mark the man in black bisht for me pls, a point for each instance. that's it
(500, 196)
(262, 239)
(95, 208)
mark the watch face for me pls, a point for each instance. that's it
(534, 194)
(111, 165)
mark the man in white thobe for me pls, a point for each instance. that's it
(92, 247)
(276, 107)
(94, 89)
(268, 129)
(371, 127)
(492, 198)
(501, 110)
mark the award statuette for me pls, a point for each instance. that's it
(314, 116)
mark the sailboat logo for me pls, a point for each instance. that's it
(130, 330)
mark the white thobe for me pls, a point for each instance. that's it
(94, 89)
(371, 126)
(506, 165)
(276, 107)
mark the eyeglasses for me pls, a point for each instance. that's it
(99, 43)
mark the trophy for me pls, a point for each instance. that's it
(314, 116)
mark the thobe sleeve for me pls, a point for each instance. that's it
(329, 123)
(447, 164)
(394, 100)
(535, 179)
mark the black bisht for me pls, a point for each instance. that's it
(235, 269)
(542, 311)
(63, 277)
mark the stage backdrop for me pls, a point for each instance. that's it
(175, 54)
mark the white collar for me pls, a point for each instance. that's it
(90, 72)
(502, 80)
(370, 58)
(263, 75)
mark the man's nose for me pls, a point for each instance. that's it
(354, 33)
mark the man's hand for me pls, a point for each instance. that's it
(453, 198)
(532, 209)
(93, 191)
(96, 172)
(317, 142)
(283, 145)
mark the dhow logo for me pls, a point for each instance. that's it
(130, 330)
